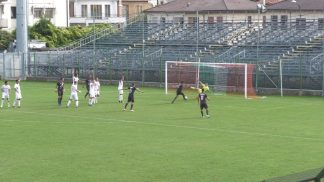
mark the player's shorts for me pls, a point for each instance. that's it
(74, 97)
(130, 98)
(180, 93)
(121, 92)
(5, 96)
(203, 105)
(18, 96)
(92, 94)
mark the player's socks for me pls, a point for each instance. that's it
(76, 103)
(120, 98)
(202, 113)
(2, 103)
(174, 100)
(68, 104)
(132, 105)
(126, 105)
(18, 103)
(207, 112)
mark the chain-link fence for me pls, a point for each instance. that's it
(286, 53)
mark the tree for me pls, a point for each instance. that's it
(5, 39)
(44, 30)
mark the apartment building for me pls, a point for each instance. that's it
(85, 12)
(55, 10)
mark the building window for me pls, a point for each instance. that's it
(264, 21)
(211, 20)
(219, 19)
(49, 12)
(178, 20)
(13, 12)
(38, 12)
(1, 9)
(71, 9)
(220, 23)
(138, 9)
(249, 20)
(300, 23)
(284, 22)
(163, 20)
(84, 11)
(96, 11)
(107, 10)
(192, 20)
(274, 22)
(321, 23)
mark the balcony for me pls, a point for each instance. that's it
(3, 23)
(88, 21)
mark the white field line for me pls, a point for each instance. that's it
(111, 120)
(39, 121)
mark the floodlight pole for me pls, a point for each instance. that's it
(258, 40)
(143, 49)
(197, 49)
(280, 69)
(94, 45)
(22, 32)
(323, 67)
(299, 7)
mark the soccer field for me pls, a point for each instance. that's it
(243, 140)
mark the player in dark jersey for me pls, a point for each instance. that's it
(179, 92)
(87, 84)
(60, 90)
(202, 100)
(131, 98)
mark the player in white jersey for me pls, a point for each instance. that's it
(92, 92)
(5, 93)
(75, 78)
(18, 98)
(121, 89)
(97, 89)
(74, 95)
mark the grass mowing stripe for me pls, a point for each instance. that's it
(223, 130)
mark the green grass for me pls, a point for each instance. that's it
(244, 140)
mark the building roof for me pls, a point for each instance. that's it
(177, 6)
(205, 5)
(303, 4)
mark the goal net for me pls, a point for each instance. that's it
(222, 78)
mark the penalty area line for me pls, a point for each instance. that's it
(221, 130)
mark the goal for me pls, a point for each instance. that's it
(223, 78)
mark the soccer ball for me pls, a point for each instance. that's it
(186, 97)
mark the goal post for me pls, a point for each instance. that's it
(229, 78)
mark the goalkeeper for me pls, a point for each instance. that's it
(203, 86)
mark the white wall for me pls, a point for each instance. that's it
(60, 17)
(112, 3)
(60, 12)
(7, 14)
